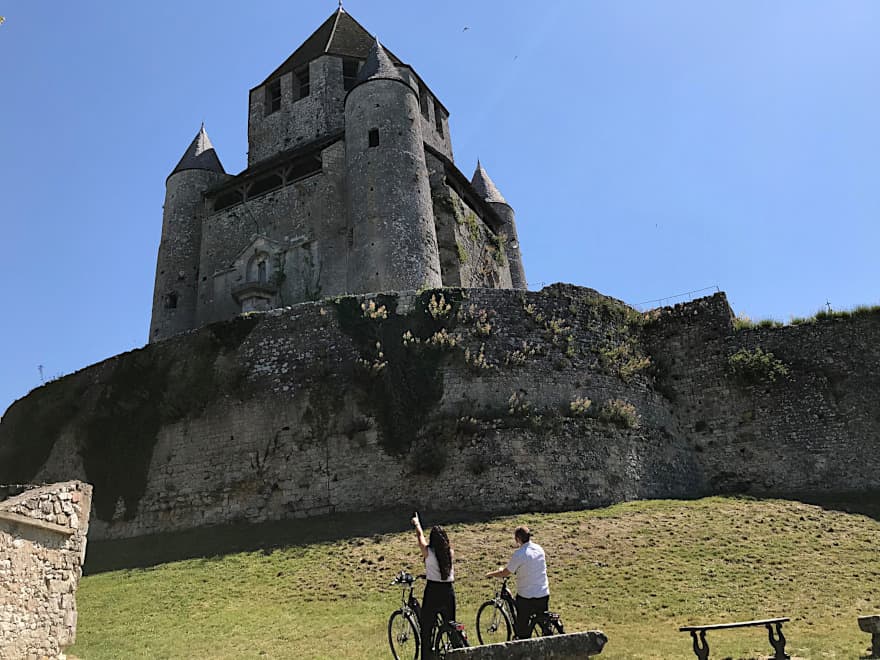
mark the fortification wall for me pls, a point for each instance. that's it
(467, 399)
(811, 429)
(42, 548)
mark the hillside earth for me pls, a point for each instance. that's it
(636, 570)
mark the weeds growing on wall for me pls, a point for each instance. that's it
(743, 322)
(756, 366)
(410, 384)
(620, 413)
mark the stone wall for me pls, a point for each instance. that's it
(575, 646)
(471, 254)
(480, 399)
(42, 547)
(810, 430)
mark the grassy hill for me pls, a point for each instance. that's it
(635, 570)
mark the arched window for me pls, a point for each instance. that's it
(258, 268)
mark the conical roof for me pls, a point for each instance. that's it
(485, 187)
(378, 65)
(200, 155)
(338, 35)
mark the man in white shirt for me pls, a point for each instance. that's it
(529, 565)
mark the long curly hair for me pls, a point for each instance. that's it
(439, 543)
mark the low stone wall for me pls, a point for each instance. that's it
(559, 647)
(42, 547)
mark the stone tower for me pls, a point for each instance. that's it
(487, 189)
(177, 266)
(350, 187)
(394, 243)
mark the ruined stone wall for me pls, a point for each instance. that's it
(42, 548)
(480, 399)
(810, 429)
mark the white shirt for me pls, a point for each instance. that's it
(432, 568)
(530, 567)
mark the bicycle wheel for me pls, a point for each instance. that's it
(544, 626)
(447, 639)
(403, 636)
(539, 627)
(493, 624)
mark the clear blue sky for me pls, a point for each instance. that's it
(649, 148)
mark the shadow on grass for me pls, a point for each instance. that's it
(144, 551)
(866, 503)
(204, 542)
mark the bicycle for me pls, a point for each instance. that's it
(495, 619)
(404, 630)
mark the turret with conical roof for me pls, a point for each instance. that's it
(177, 265)
(486, 188)
(390, 213)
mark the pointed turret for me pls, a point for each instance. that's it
(378, 66)
(200, 155)
(177, 264)
(486, 188)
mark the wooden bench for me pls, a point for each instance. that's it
(777, 640)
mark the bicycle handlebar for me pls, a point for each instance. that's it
(407, 578)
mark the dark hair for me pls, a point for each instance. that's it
(439, 543)
(522, 534)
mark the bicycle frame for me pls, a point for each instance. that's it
(504, 597)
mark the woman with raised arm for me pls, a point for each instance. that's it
(439, 592)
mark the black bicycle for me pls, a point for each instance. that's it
(496, 616)
(404, 631)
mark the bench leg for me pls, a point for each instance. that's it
(701, 646)
(777, 642)
(875, 645)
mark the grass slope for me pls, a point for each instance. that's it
(635, 570)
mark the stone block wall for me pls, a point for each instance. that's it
(487, 400)
(42, 547)
(575, 646)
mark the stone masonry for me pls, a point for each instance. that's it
(486, 400)
(351, 187)
(42, 549)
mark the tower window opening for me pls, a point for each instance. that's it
(438, 118)
(302, 80)
(374, 137)
(262, 277)
(350, 70)
(423, 102)
(273, 97)
(170, 300)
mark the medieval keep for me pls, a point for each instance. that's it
(351, 187)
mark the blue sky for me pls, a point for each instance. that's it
(649, 148)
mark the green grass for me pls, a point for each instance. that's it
(636, 571)
(743, 322)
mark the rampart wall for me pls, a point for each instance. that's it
(471, 399)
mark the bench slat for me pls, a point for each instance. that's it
(739, 624)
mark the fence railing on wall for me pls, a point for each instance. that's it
(677, 298)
